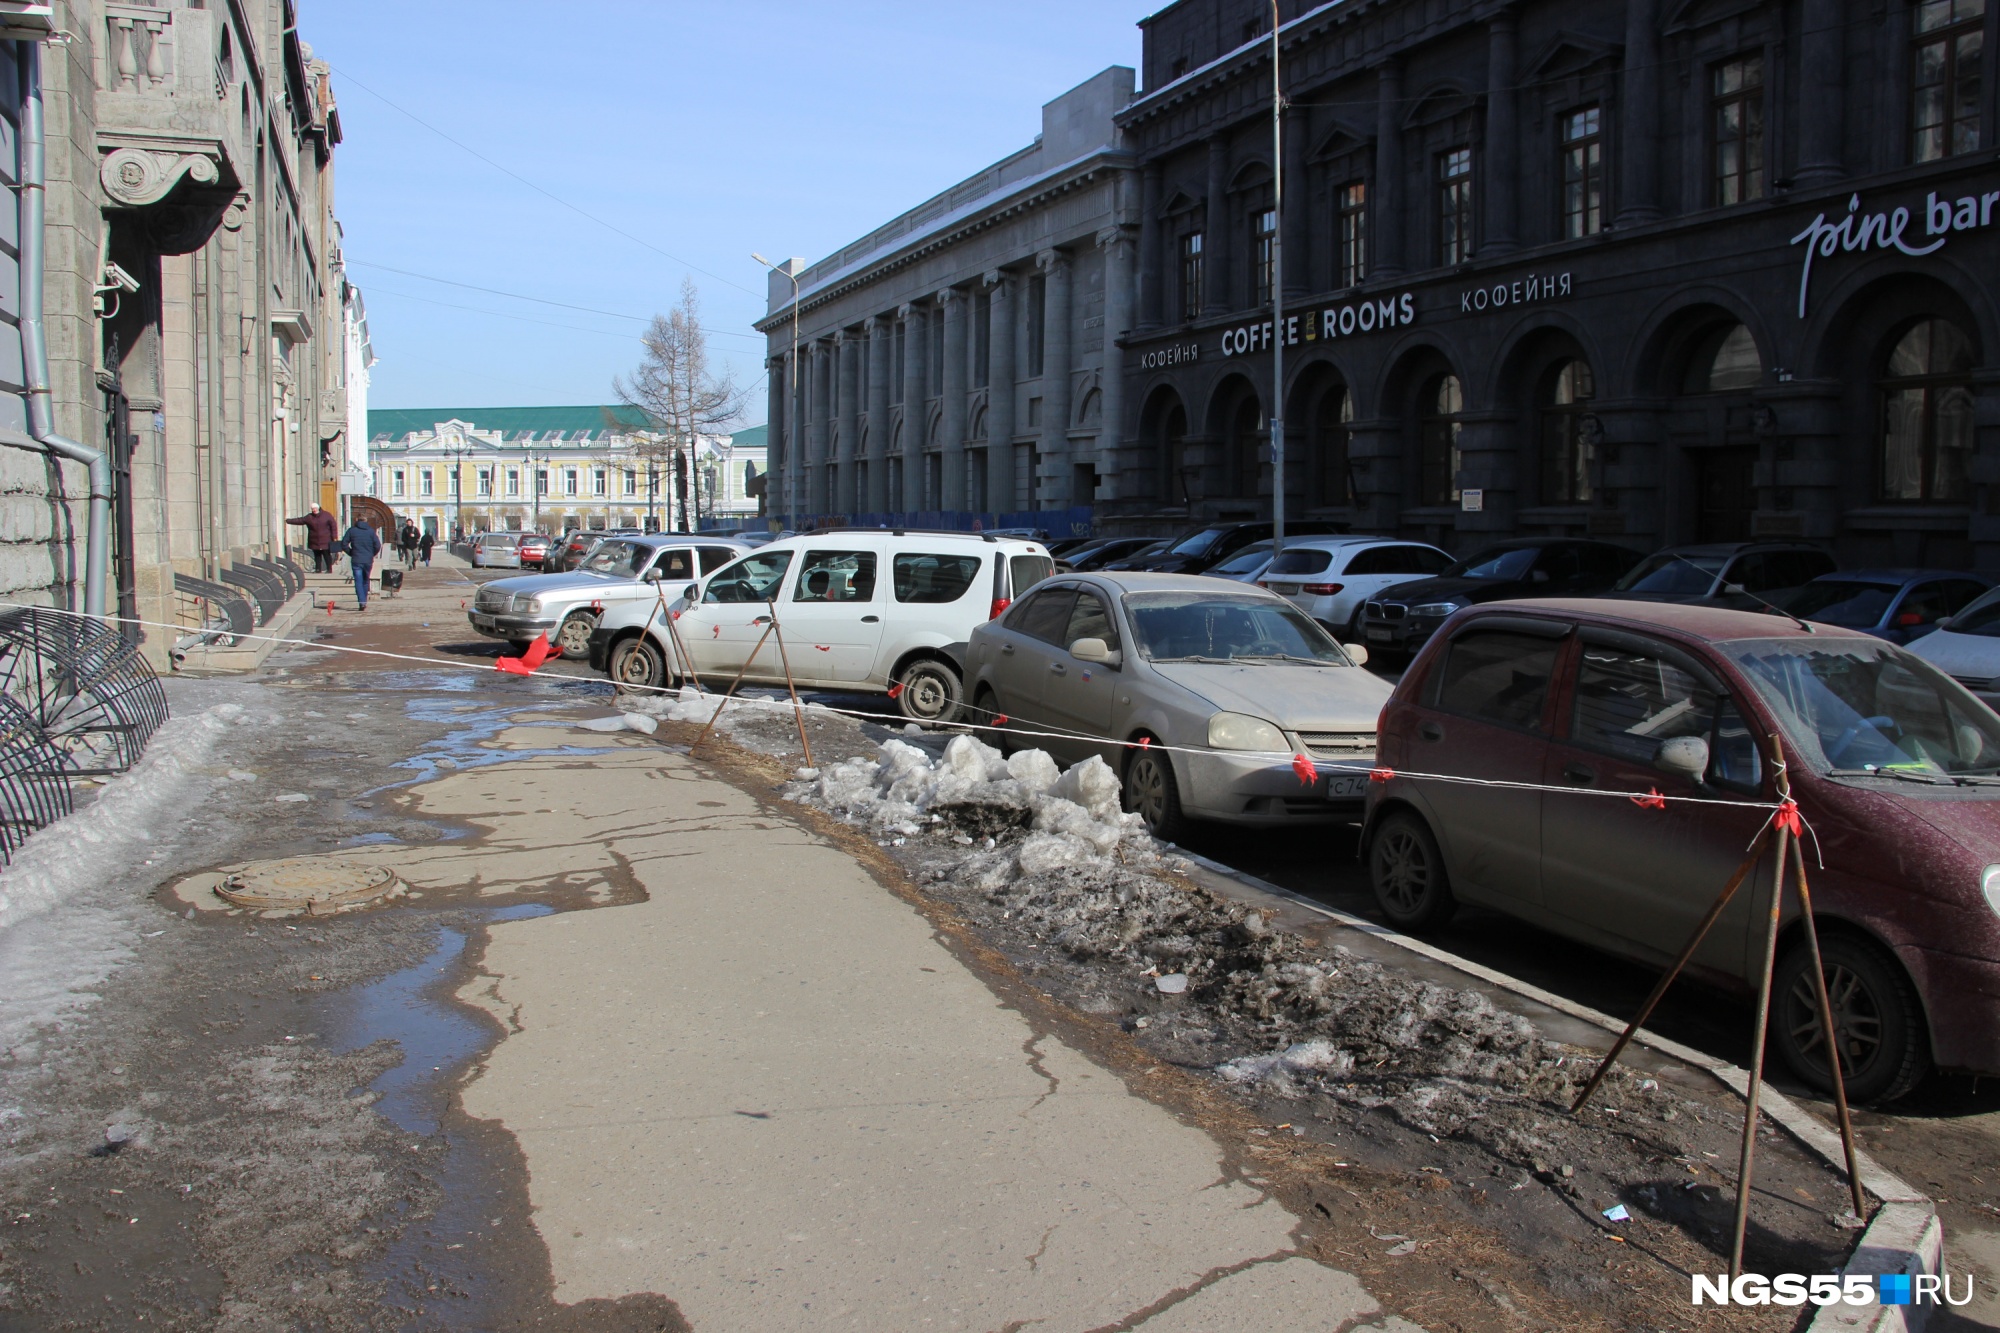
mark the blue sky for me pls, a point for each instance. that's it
(704, 131)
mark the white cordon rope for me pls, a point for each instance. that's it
(1376, 772)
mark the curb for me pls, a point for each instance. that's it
(1905, 1235)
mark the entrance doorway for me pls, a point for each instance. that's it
(1724, 494)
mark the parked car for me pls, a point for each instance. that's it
(1061, 548)
(1894, 765)
(1200, 548)
(576, 547)
(1900, 605)
(862, 611)
(1113, 548)
(567, 607)
(1332, 578)
(1245, 565)
(497, 550)
(1743, 575)
(1237, 675)
(1403, 616)
(535, 549)
(1966, 646)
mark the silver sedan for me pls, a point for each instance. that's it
(1210, 699)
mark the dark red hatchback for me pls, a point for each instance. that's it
(1895, 766)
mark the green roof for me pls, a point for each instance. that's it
(753, 437)
(396, 422)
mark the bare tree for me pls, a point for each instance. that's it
(682, 398)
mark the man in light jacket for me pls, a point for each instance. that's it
(362, 544)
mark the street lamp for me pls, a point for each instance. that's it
(792, 461)
(458, 451)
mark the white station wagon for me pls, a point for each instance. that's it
(861, 611)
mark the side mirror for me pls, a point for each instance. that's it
(1356, 653)
(653, 575)
(1539, 576)
(692, 592)
(1095, 650)
(1683, 756)
(1943, 622)
(1734, 589)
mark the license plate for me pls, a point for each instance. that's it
(1380, 635)
(1285, 589)
(481, 622)
(1346, 786)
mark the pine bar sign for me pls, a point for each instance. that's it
(1884, 231)
(1325, 324)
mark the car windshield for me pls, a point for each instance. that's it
(1860, 705)
(1507, 562)
(1196, 543)
(616, 558)
(1981, 618)
(1251, 557)
(1844, 602)
(1183, 626)
(1668, 572)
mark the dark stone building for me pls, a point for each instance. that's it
(1659, 271)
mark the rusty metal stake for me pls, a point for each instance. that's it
(1747, 1162)
(730, 693)
(1827, 1031)
(798, 709)
(685, 662)
(1667, 978)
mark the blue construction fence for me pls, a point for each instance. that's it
(1048, 524)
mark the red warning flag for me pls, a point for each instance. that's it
(1652, 800)
(999, 719)
(896, 689)
(1303, 766)
(526, 663)
(1381, 774)
(1788, 819)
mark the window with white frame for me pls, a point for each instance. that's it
(396, 482)
(631, 482)
(598, 481)
(426, 482)
(484, 485)
(569, 481)
(513, 481)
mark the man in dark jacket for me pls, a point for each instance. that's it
(408, 543)
(424, 544)
(362, 545)
(320, 529)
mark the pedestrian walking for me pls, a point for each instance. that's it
(320, 533)
(362, 545)
(424, 544)
(407, 540)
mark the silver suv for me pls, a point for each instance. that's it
(567, 607)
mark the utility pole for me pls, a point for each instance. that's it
(1277, 414)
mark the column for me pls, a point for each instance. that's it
(1215, 272)
(916, 415)
(1000, 396)
(1640, 177)
(881, 345)
(1152, 247)
(777, 436)
(847, 348)
(1386, 219)
(1111, 453)
(1498, 182)
(1298, 266)
(819, 396)
(1822, 51)
(1053, 469)
(951, 394)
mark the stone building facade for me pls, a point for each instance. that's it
(964, 356)
(194, 308)
(1658, 270)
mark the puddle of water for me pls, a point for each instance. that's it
(464, 741)
(369, 840)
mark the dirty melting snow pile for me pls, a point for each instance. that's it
(1052, 855)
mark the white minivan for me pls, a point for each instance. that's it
(864, 610)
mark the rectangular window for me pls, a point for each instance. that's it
(1498, 677)
(1631, 703)
(396, 483)
(1737, 114)
(933, 578)
(1038, 315)
(598, 480)
(1454, 167)
(569, 481)
(426, 482)
(513, 481)
(982, 339)
(1263, 254)
(1945, 86)
(836, 576)
(485, 482)
(1191, 277)
(456, 477)
(631, 482)
(1582, 173)
(541, 481)
(1353, 233)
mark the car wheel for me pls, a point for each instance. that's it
(1407, 872)
(638, 664)
(1152, 794)
(984, 709)
(1877, 1019)
(573, 636)
(931, 691)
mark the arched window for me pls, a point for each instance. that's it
(1724, 361)
(1332, 422)
(1568, 452)
(1246, 446)
(1180, 486)
(1439, 406)
(1927, 414)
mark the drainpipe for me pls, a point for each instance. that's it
(34, 342)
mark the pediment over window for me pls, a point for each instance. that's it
(1569, 53)
(1439, 103)
(1180, 201)
(1251, 176)
(1340, 141)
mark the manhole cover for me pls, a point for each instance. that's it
(315, 885)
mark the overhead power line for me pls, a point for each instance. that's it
(539, 300)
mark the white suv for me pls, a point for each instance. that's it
(861, 611)
(1329, 578)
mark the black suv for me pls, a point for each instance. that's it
(1201, 548)
(1724, 573)
(1401, 617)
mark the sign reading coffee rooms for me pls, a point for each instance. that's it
(1374, 314)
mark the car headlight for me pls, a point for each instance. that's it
(1434, 609)
(1989, 880)
(1239, 731)
(528, 605)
